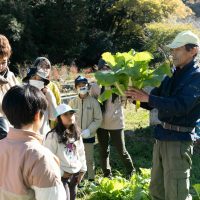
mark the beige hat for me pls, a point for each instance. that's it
(183, 38)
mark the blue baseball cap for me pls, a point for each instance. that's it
(80, 79)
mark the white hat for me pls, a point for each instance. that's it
(183, 38)
(63, 108)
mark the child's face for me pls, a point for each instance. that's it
(80, 85)
(68, 118)
(46, 67)
(3, 63)
(82, 89)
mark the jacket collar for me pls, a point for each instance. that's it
(21, 135)
(87, 97)
(185, 68)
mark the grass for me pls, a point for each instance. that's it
(135, 120)
(139, 143)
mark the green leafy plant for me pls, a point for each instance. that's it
(121, 189)
(129, 69)
(197, 189)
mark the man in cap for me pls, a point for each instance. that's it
(178, 104)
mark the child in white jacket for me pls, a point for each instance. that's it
(66, 143)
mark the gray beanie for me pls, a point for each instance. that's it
(40, 60)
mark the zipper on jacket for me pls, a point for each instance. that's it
(82, 115)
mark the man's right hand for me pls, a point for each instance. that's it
(137, 95)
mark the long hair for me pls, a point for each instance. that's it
(64, 134)
(103, 105)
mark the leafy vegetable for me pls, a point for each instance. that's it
(129, 69)
(121, 189)
(197, 189)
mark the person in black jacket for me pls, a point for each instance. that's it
(178, 104)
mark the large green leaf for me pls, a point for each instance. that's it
(120, 60)
(139, 84)
(128, 58)
(130, 69)
(121, 88)
(105, 79)
(143, 56)
(104, 96)
(109, 58)
(122, 78)
(164, 69)
(134, 72)
(197, 189)
(153, 80)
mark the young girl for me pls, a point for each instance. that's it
(66, 143)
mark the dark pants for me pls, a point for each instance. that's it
(117, 139)
(70, 185)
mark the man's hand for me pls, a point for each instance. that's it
(137, 95)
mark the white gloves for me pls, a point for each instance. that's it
(85, 133)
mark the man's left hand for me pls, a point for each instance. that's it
(137, 95)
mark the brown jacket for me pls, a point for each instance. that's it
(113, 117)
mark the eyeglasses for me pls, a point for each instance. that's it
(4, 63)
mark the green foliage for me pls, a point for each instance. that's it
(160, 34)
(197, 189)
(122, 189)
(129, 69)
(82, 29)
(130, 17)
(12, 26)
